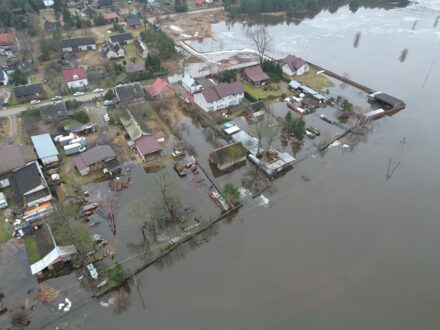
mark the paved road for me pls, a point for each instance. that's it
(16, 110)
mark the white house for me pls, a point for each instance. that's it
(111, 50)
(75, 77)
(78, 44)
(3, 78)
(294, 66)
(190, 84)
(48, 3)
(220, 96)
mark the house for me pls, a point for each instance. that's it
(294, 66)
(7, 42)
(3, 78)
(148, 147)
(53, 111)
(141, 48)
(33, 91)
(134, 124)
(78, 44)
(134, 22)
(220, 96)
(122, 38)
(228, 156)
(111, 17)
(386, 101)
(29, 185)
(51, 26)
(190, 84)
(55, 259)
(11, 158)
(255, 76)
(201, 3)
(45, 148)
(94, 159)
(103, 3)
(134, 67)
(75, 77)
(48, 3)
(159, 89)
(129, 93)
(249, 142)
(111, 50)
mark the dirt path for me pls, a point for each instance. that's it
(12, 128)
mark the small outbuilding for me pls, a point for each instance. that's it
(255, 76)
(45, 148)
(228, 156)
(94, 159)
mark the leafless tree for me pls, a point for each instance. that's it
(261, 39)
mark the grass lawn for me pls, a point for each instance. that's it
(31, 246)
(314, 80)
(4, 234)
(270, 91)
(4, 130)
(130, 52)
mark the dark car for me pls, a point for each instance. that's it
(314, 131)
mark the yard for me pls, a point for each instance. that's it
(4, 130)
(314, 80)
(5, 231)
(31, 245)
(267, 92)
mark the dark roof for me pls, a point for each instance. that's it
(229, 155)
(27, 178)
(133, 20)
(105, 3)
(129, 92)
(122, 37)
(78, 128)
(10, 158)
(388, 99)
(96, 154)
(256, 74)
(147, 145)
(107, 47)
(219, 91)
(134, 124)
(293, 62)
(29, 90)
(53, 110)
(50, 26)
(76, 42)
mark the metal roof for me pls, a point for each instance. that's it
(44, 145)
(59, 252)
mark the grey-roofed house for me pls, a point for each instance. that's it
(122, 38)
(32, 91)
(388, 101)
(103, 3)
(228, 156)
(134, 124)
(95, 159)
(78, 44)
(45, 148)
(255, 76)
(129, 93)
(220, 96)
(134, 67)
(134, 21)
(53, 111)
(111, 50)
(11, 158)
(29, 185)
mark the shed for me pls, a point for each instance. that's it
(45, 148)
(255, 75)
(228, 156)
(94, 159)
(148, 147)
(294, 84)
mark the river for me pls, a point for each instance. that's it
(347, 249)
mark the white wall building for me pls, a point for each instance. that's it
(220, 96)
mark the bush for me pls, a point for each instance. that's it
(231, 192)
(81, 116)
(109, 95)
(116, 274)
(72, 104)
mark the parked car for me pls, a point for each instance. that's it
(325, 119)
(314, 131)
(78, 93)
(92, 270)
(310, 134)
(108, 103)
(33, 102)
(178, 154)
(98, 90)
(56, 98)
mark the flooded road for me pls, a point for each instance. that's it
(348, 248)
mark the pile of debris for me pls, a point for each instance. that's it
(47, 294)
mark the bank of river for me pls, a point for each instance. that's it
(344, 249)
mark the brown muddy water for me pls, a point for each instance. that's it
(345, 249)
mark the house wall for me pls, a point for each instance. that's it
(78, 83)
(217, 105)
(49, 160)
(87, 47)
(40, 201)
(286, 70)
(5, 80)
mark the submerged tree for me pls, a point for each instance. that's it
(403, 55)
(261, 39)
(231, 192)
(357, 39)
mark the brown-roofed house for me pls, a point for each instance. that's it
(294, 66)
(255, 76)
(111, 17)
(148, 147)
(220, 96)
(94, 159)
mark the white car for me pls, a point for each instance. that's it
(56, 98)
(33, 102)
(107, 117)
(98, 90)
(78, 93)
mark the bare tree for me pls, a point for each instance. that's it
(261, 39)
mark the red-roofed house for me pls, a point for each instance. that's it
(160, 88)
(294, 66)
(148, 147)
(255, 76)
(6, 42)
(111, 17)
(75, 77)
(201, 3)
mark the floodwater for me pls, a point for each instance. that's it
(350, 247)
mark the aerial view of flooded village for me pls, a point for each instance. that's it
(219, 164)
